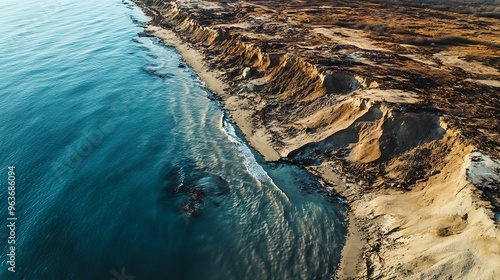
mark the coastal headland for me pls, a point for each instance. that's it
(395, 107)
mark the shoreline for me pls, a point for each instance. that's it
(196, 60)
(386, 213)
(352, 247)
(352, 253)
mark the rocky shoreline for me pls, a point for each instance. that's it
(405, 129)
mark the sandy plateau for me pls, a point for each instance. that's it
(396, 108)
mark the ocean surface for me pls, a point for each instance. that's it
(125, 169)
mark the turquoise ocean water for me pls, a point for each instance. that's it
(113, 144)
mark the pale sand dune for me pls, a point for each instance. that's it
(390, 95)
(492, 83)
(349, 36)
(451, 59)
(438, 230)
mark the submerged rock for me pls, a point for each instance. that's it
(194, 185)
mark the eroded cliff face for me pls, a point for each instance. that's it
(395, 118)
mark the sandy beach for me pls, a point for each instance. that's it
(256, 136)
(405, 129)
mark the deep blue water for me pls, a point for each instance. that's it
(108, 135)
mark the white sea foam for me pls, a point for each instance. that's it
(251, 164)
(182, 176)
